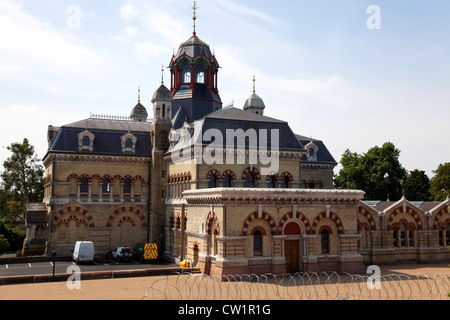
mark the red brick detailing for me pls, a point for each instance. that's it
(79, 221)
(390, 225)
(209, 221)
(126, 209)
(72, 176)
(215, 173)
(299, 216)
(287, 174)
(265, 216)
(438, 216)
(126, 219)
(369, 217)
(229, 173)
(87, 217)
(254, 170)
(333, 217)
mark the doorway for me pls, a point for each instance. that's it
(292, 247)
(292, 254)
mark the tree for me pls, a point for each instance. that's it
(378, 172)
(416, 186)
(440, 183)
(23, 180)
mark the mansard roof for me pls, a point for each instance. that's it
(107, 137)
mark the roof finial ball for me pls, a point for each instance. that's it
(194, 17)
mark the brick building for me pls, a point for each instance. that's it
(226, 204)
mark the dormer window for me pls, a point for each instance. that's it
(86, 141)
(312, 150)
(128, 143)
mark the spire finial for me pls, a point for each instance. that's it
(139, 94)
(162, 74)
(195, 15)
(254, 84)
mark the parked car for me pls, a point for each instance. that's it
(83, 252)
(122, 254)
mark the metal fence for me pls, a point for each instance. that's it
(301, 286)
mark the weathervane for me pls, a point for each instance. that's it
(254, 84)
(162, 74)
(195, 15)
(139, 94)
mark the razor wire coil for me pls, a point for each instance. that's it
(300, 286)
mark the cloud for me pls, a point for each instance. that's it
(34, 44)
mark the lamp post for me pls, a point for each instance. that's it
(54, 263)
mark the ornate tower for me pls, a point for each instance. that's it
(161, 126)
(194, 71)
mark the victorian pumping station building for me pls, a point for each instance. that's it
(231, 189)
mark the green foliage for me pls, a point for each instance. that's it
(12, 238)
(416, 186)
(377, 172)
(23, 181)
(440, 183)
(4, 244)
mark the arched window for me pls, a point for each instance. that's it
(212, 181)
(106, 187)
(272, 182)
(129, 144)
(127, 186)
(216, 244)
(249, 180)
(325, 241)
(201, 77)
(257, 243)
(84, 186)
(395, 237)
(285, 183)
(312, 153)
(227, 181)
(186, 74)
(403, 235)
(86, 141)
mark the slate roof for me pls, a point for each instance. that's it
(108, 135)
(193, 47)
(323, 154)
(233, 118)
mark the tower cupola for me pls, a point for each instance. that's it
(194, 70)
(254, 104)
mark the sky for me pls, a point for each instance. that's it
(345, 72)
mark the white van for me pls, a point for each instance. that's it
(83, 252)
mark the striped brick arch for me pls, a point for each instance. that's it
(213, 172)
(126, 219)
(79, 221)
(438, 216)
(229, 173)
(369, 217)
(410, 211)
(209, 221)
(254, 170)
(263, 215)
(75, 212)
(126, 209)
(299, 216)
(331, 216)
